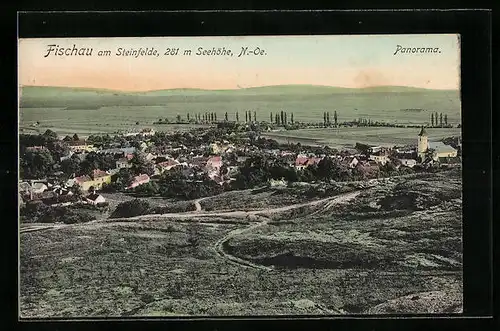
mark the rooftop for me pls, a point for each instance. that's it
(440, 147)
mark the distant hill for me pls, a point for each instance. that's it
(83, 98)
(48, 91)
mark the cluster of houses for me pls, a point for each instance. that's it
(223, 154)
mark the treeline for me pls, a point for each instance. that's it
(439, 121)
(260, 169)
(208, 118)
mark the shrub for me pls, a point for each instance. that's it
(37, 212)
(132, 208)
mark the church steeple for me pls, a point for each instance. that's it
(423, 144)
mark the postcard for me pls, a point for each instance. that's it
(240, 176)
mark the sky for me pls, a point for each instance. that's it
(334, 60)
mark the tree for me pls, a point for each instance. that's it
(225, 116)
(131, 208)
(432, 120)
(441, 119)
(124, 177)
(137, 123)
(282, 117)
(36, 164)
(147, 189)
(178, 117)
(237, 117)
(291, 118)
(335, 117)
(286, 121)
(254, 116)
(277, 119)
(77, 190)
(71, 166)
(328, 118)
(50, 134)
(445, 119)
(75, 137)
(67, 138)
(436, 118)
(271, 117)
(187, 116)
(246, 116)
(324, 117)
(140, 165)
(215, 117)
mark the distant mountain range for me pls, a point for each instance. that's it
(52, 91)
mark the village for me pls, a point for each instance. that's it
(57, 171)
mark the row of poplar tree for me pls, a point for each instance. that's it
(279, 118)
(439, 121)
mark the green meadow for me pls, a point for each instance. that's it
(83, 111)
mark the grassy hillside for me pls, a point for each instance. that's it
(53, 91)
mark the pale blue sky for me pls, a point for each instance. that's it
(346, 60)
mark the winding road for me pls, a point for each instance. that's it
(256, 218)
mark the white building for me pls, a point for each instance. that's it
(410, 163)
(381, 159)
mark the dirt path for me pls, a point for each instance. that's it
(338, 199)
(219, 247)
(197, 204)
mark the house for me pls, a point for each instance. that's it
(96, 180)
(122, 163)
(36, 148)
(368, 168)
(148, 132)
(139, 180)
(380, 158)
(374, 149)
(214, 162)
(215, 148)
(351, 161)
(66, 157)
(241, 159)
(410, 163)
(277, 182)
(24, 187)
(78, 146)
(143, 146)
(62, 192)
(121, 150)
(451, 161)
(167, 165)
(301, 162)
(38, 187)
(198, 161)
(150, 157)
(441, 150)
(95, 199)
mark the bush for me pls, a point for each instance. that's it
(132, 208)
(37, 212)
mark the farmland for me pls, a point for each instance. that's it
(84, 111)
(392, 248)
(347, 137)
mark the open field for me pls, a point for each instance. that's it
(392, 248)
(70, 110)
(348, 137)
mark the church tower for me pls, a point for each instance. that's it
(423, 144)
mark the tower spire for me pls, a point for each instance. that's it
(422, 132)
